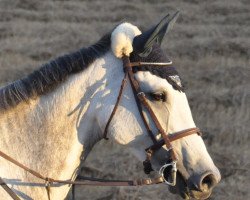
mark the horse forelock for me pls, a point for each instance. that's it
(51, 74)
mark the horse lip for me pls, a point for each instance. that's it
(200, 195)
(181, 187)
(185, 195)
(187, 192)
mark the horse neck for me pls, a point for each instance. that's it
(50, 133)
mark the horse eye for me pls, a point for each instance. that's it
(158, 96)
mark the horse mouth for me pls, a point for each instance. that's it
(187, 192)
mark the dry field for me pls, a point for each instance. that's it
(210, 46)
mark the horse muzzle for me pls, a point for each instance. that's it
(197, 186)
(201, 186)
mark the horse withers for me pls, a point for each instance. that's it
(51, 119)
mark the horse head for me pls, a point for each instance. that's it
(196, 173)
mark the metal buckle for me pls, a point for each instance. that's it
(141, 94)
(169, 149)
(173, 173)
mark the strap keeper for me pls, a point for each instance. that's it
(47, 182)
(146, 181)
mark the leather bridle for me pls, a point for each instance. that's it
(142, 102)
(166, 140)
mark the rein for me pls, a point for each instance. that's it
(141, 102)
(49, 182)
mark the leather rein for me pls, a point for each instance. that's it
(141, 102)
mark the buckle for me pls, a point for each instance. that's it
(141, 94)
(162, 172)
(147, 181)
(170, 148)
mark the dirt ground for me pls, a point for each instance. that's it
(210, 46)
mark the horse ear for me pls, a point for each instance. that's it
(142, 44)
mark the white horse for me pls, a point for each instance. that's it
(51, 119)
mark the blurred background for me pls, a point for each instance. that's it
(209, 45)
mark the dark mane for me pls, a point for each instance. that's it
(52, 74)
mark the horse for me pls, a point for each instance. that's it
(52, 118)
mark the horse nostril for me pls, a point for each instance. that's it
(207, 182)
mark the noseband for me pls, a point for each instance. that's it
(142, 102)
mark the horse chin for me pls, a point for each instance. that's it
(181, 188)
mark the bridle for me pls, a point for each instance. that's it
(167, 139)
(142, 102)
